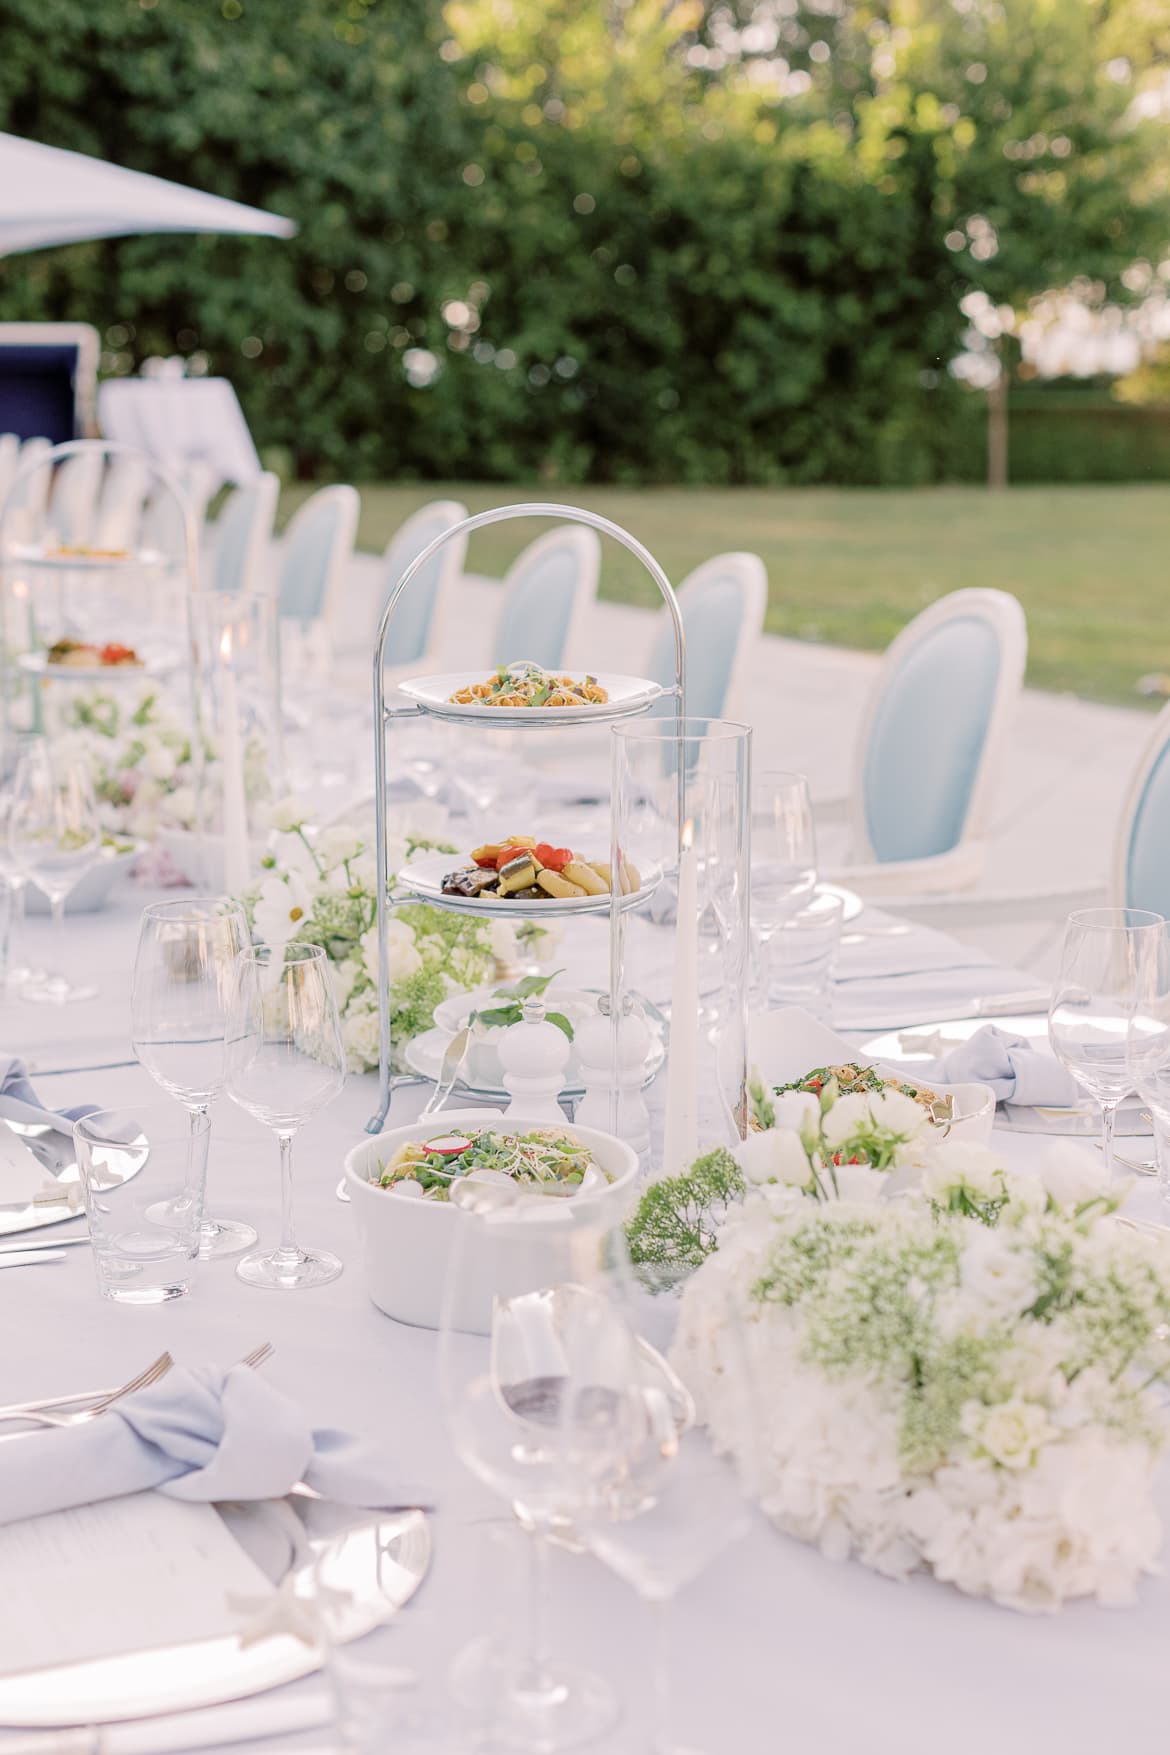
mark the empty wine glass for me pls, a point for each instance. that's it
(285, 1062)
(183, 979)
(784, 856)
(525, 1357)
(53, 838)
(14, 746)
(1108, 971)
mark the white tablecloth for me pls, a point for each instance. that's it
(775, 1648)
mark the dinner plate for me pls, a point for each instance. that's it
(385, 1559)
(424, 1055)
(627, 694)
(32, 554)
(37, 664)
(852, 902)
(917, 1042)
(424, 876)
(56, 1155)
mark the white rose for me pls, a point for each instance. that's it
(1012, 1433)
(995, 1275)
(798, 1111)
(401, 956)
(359, 1035)
(895, 1112)
(774, 1156)
(1072, 1175)
(363, 873)
(181, 806)
(848, 1116)
(338, 845)
(288, 814)
(952, 1162)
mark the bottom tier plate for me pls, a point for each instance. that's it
(424, 1055)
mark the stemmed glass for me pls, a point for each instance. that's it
(285, 1062)
(1108, 971)
(1148, 1056)
(16, 976)
(53, 838)
(183, 976)
(784, 858)
(525, 1351)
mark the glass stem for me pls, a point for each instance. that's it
(288, 1241)
(660, 1743)
(60, 953)
(1108, 1116)
(194, 1116)
(534, 1678)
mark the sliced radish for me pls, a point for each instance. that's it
(448, 1145)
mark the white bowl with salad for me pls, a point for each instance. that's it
(401, 1182)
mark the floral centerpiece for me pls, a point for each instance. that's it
(321, 888)
(141, 758)
(954, 1368)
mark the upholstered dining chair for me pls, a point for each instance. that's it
(723, 603)
(927, 757)
(547, 593)
(314, 552)
(416, 627)
(241, 535)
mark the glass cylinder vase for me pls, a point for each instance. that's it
(681, 834)
(240, 756)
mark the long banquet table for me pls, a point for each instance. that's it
(775, 1648)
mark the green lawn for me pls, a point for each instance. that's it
(1091, 565)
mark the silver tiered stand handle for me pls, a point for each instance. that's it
(383, 715)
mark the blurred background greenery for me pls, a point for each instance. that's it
(621, 241)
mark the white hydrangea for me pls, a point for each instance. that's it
(402, 957)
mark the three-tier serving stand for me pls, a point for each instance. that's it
(502, 717)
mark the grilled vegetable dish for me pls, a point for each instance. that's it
(548, 1160)
(528, 685)
(842, 1081)
(80, 655)
(521, 868)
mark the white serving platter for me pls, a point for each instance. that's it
(36, 555)
(424, 875)
(390, 1558)
(37, 664)
(627, 694)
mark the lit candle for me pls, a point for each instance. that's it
(235, 810)
(682, 1082)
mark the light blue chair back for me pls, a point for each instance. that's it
(948, 675)
(316, 546)
(1143, 855)
(722, 603)
(242, 532)
(546, 586)
(411, 626)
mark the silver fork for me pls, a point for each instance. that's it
(75, 1409)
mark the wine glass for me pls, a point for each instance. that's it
(1148, 1056)
(1108, 970)
(17, 742)
(285, 1062)
(523, 1351)
(183, 975)
(54, 839)
(784, 849)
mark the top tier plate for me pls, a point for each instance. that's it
(627, 695)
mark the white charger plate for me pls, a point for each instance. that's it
(627, 694)
(392, 1554)
(424, 1055)
(425, 873)
(918, 1042)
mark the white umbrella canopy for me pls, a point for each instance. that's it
(49, 196)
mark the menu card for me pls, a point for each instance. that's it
(126, 1575)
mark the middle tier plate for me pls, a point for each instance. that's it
(424, 878)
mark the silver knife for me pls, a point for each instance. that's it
(449, 1071)
(30, 1257)
(41, 1245)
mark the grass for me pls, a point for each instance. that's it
(849, 567)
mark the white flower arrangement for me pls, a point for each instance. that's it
(958, 1375)
(321, 888)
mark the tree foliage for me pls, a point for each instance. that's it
(604, 239)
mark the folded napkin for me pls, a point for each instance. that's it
(1014, 1069)
(20, 1103)
(197, 1434)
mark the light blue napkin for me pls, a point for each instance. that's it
(198, 1434)
(1015, 1070)
(20, 1103)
